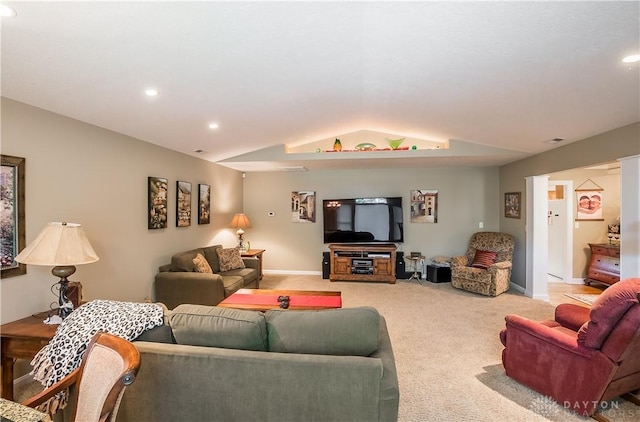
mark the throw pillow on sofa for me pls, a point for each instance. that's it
(483, 259)
(201, 265)
(230, 259)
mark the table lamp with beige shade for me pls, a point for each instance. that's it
(240, 221)
(62, 245)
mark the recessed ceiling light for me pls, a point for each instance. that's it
(634, 58)
(213, 126)
(151, 92)
(7, 12)
(199, 151)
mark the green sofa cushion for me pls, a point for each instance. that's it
(345, 332)
(213, 326)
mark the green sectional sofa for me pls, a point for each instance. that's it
(219, 364)
(180, 282)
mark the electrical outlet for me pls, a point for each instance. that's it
(481, 225)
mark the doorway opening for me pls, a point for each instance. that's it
(560, 231)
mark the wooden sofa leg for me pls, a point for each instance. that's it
(630, 397)
(597, 416)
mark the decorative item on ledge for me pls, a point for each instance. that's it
(395, 143)
(62, 245)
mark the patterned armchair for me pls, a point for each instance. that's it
(486, 267)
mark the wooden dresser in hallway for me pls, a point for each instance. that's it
(604, 265)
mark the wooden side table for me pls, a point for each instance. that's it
(255, 253)
(22, 339)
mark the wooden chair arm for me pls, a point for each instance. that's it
(59, 386)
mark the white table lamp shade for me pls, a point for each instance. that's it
(59, 244)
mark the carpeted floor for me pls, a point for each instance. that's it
(448, 352)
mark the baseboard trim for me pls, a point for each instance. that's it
(576, 281)
(290, 272)
(517, 287)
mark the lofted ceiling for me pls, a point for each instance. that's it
(489, 81)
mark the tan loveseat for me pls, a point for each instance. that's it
(219, 364)
(180, 282)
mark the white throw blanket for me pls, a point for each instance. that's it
(63, 354)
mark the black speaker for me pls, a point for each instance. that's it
(326, 265)
(400, 266)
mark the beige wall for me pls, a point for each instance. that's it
(605, 147)
(80, 173)
(466, 197)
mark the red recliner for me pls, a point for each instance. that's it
(584, 356)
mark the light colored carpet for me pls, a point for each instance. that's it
(447, 350)
(583, 297)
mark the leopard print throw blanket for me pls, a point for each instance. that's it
(64, 352)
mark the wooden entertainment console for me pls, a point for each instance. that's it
(357, 262)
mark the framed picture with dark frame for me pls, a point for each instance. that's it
(12, 218)
(512, 204)
(183, 204)
(204, 204)
(158, 188)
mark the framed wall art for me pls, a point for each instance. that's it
(157, 208)
(183, 204)
(12, 218)
(303, 207)
(590, 203)
(512, 204)
(424, 206)
(204, 204)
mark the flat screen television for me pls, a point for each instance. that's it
(363, 220)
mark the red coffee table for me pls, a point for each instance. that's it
(264, 299)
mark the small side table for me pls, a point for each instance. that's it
(22, 339)
(415, 260)
(255, 253)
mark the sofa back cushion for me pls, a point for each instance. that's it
(183, 261)
(345, 331)
(213, 326)
(212, 257)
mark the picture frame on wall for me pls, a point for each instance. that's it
(424, 206)
(12, 218)
(512, 204)
(183, 204)
(204, 204)
(158, 188)
(589, 204)
(303, 207)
